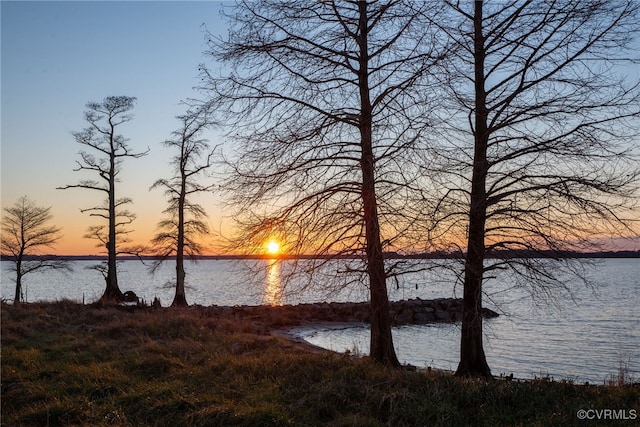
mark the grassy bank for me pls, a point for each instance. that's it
(68, 364)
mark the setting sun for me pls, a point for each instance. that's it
(273, 247)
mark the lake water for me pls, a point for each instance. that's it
(588, 337)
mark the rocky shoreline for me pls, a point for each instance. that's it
(405, 312)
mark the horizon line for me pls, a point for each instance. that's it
(625, 253)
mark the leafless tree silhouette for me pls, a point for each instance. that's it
(178, 234)
(540, 156)
(326, 105)
(25, 231)
(112, 148)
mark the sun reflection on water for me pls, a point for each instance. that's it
(273, 290)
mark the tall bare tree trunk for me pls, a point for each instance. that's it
(180, 299)
(112, 290)
(381, 347)
(18, 295)
(472, 358)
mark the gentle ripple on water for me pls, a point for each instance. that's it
(586, 341)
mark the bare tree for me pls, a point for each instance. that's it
(540, 159)
(25, 231)
(108, 150)
(326, 109)
(186, 220)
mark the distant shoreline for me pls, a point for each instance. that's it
(435, 255)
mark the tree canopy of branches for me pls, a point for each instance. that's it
(540, 157)
(186, 220)
(107, 150)
(325, 105)
(26, 230)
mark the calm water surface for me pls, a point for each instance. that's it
(591, 338)
(587, 339)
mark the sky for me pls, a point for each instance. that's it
(56, 57)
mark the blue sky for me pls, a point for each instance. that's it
(57, 56)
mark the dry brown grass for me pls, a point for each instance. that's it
(68, 364)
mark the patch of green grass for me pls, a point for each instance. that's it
(68, 364)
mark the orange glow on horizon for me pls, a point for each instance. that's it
(74, 227)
